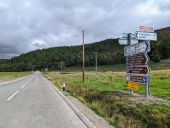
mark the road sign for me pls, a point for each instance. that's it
(138, 69)
(146, 29)
(138, 79)
(142, 47)
(133, 86)
(146, 36)
(124, 41)
(141, 59)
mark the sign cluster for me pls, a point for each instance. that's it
(137, 60)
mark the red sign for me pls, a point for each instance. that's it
(146, 29)
(138, 70)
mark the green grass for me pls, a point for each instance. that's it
(4, 76)
(101, 92)
(109, 81)
(162, 65)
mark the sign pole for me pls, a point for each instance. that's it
(137, 59)
(147, 90)
(129, 43)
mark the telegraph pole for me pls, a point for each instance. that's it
(96, 53)
(83, 55)
(61, 66)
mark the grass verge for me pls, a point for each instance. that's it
(4, 76)
(101, 92)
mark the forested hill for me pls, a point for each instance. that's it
(110, 52)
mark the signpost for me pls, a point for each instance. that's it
(141, 59)
(142, 47)
(146, 36)
(137, 60)
(138, 70)
(124, 41)
(132, 86)
(146, 29)
(138, 79)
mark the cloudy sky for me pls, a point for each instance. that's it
(27, 25)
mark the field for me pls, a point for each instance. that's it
(104, 92)
(162, 65)
(4, 76)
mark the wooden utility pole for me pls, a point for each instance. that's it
(96, 53)
(61, 66)
(83, 56)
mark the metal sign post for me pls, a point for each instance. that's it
(137, 60)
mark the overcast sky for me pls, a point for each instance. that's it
(27, 25)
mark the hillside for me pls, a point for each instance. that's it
(110, 52)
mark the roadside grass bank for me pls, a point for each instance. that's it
(101, 92)
(4, 76)
(162, 65)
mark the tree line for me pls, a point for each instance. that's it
(110, 52)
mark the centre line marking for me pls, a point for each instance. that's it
(23, 86)
(26, 84)
(12, 95)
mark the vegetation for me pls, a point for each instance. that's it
(110, 53)
(12, 75)
(102, 93)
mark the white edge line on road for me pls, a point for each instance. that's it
(12, 95)
(77, 112)
(3, 83)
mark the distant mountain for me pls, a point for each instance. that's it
(110, 52)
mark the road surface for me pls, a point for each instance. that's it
(32, 103)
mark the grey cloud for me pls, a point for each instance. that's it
(58, 22)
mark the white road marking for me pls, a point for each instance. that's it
(26, 84)
(82, 117)
(23, 86)
(3, 83)
(18, 90)
(12, 95)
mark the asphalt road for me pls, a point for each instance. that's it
(32, 103)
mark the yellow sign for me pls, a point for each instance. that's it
(133, 86)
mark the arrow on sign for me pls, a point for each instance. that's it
(138, 70)
(142, 59)
(124, 41)
(146, 36)
(142, 47)
(138, 79)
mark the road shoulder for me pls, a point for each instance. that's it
(98, 121)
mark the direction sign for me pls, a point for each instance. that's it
(141, 59)
(138, 70)
(138, 79)
(133, 86)
(146, 29)
(146, 36)
(124, 41)
(142, 47)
